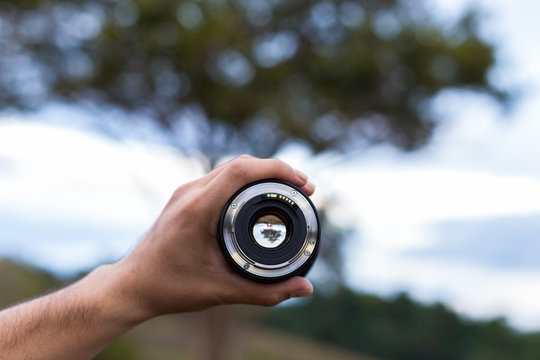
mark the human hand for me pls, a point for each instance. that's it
(178, 266)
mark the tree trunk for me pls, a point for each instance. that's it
(218, 334)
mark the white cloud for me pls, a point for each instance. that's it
(426, 195)
(64, 173)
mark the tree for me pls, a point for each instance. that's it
(246, 75)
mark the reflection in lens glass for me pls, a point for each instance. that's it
(269, 231)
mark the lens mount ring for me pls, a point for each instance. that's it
(294, 256)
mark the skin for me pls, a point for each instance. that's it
(176, 267)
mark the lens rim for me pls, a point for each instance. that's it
(292, 198)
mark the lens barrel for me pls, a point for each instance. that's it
(269, 231)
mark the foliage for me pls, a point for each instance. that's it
(399, 328)
(245, 75)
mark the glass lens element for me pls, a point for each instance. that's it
(269, 231)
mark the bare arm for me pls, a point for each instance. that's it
(176, 267)
(73, 323)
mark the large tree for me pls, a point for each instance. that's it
(246, 75)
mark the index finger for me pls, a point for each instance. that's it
(244, 170)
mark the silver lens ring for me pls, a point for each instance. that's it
(290, 226)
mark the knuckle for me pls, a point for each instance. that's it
(246, 157)
(179, 193)
(188, 211)
(278, 163)
(239, 167)
(281, 166)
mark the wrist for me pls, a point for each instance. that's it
(116, 295)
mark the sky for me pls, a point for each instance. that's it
(458, 221)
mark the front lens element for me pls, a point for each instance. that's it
(269, 231)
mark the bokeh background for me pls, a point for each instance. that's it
(417, 120)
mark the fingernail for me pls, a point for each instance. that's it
(301, 175)
(309, 187)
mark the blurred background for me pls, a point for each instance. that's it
(417, 121)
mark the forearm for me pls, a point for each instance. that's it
(73, 323)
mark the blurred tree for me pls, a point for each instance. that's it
(246, 75)
(400, 328)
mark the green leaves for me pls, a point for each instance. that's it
(333, 74)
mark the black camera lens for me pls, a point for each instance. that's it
(269, 231)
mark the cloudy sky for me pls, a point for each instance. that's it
(458, 221)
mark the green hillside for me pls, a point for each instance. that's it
(399, 328)
(18, 282)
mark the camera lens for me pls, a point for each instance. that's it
(269, 231)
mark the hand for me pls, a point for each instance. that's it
(178, 266)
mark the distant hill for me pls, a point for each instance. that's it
(19, 282)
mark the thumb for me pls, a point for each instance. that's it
(270, 295)
(300, 287)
